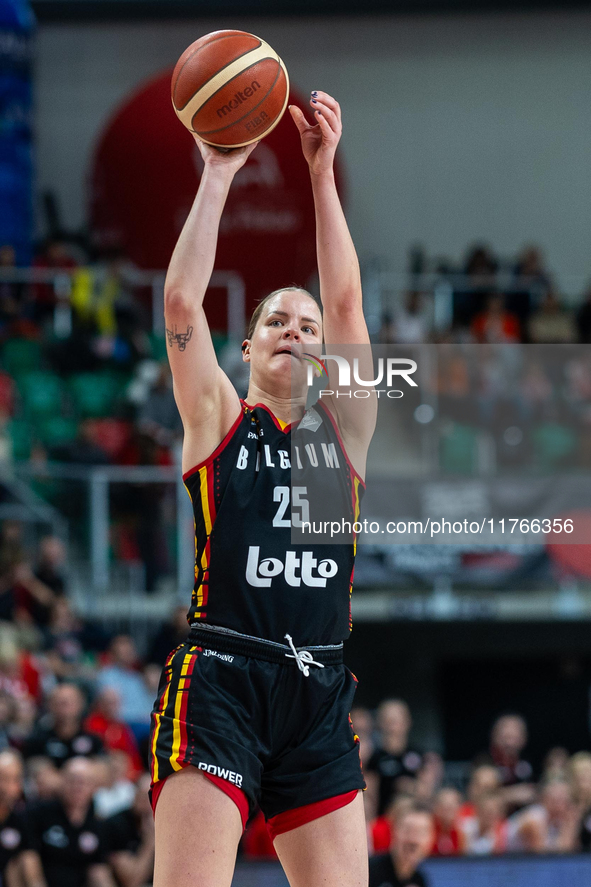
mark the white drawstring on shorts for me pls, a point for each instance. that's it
(304, 658)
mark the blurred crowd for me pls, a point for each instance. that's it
(419, 806)
(75, 705)
(493, 301)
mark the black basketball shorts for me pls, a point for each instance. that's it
(263, 728)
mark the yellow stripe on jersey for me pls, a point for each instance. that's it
(356, 498)
(205, 498)
(204, 493)
(158, 719)
(176, 736)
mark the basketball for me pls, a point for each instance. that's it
(230, 87)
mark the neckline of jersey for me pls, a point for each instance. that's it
(278, 423)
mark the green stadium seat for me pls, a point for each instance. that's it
(458, 449)
(20, 435)
(553, 443)
(219, 340)
(57, 430)
(21, 356)
(41, 393)
(95, 394)
(158, 346)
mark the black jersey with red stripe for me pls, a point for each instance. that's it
(249, 576)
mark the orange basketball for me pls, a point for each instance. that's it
(230, 88)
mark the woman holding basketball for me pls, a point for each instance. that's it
(253, 708)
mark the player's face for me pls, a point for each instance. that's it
(290, 323)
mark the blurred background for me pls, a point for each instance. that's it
(464, 172)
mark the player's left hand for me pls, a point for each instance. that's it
(319, 141)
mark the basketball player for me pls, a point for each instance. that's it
(254, 708)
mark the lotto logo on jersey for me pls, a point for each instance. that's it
(303, 570)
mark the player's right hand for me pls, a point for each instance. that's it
(230, 159)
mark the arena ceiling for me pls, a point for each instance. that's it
(76, 10)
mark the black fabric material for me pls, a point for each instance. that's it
(47, 743)
(67, 851)
(14, 837)
(382, 874)
(249, 576)
(283, 738)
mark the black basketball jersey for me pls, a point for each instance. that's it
(249, 577)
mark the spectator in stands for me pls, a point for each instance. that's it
(556, 765)
(141, 513)
(14, 838)
(551, 323)
(43, 779)
(410, 846)
(170, 635)
(412, 320)
(448, 837)
(51, 564)
(131, 840)
(115, 791)
(33, 597)
(12, 294)
(19, 674)
(393, 759)
(507, 742)
(68, 842)
(429, 777)
(480, 269)
(531, 269)
(64, 641)
(61, 735)
(579, 775)
(495, 325)
(7, 716)
(531, 283)
(54, 256)
(486, 831)
(104, 720)
(363, 727)
(484, 780)
(550, 826)
(535, 392)
(24, 720)
(159, 417)
(122, 675)
(584, 319)
(481, 265)
(82, 451)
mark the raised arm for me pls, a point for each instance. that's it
(206, 399)
(338, 269)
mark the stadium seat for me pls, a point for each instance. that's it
(41, 393)
(219, 340)
(553, 443)
(57, 430)
(158, 346)
(95, 394)
(20, 435)
(458, 449)
(21, 356)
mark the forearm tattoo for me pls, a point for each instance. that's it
(180, 339)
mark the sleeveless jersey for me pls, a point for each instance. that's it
(249, 577)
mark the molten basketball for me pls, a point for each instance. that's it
(230, 88)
